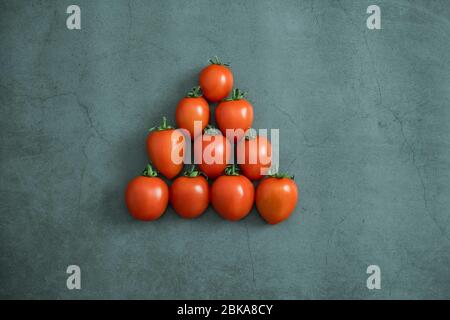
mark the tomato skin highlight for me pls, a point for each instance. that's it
(232, 197)
(160, 145)
(221, 148)
(190, 110)
(276, 199)
(234, 114)
(189, 196)
(147, 198)
(261, 150)
(216, 82)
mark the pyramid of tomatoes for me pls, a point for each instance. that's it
(215, 177)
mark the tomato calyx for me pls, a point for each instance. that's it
(149, 172)
(211, 131)
(192, 172)
(163, 126)
(273, 173)
(281, 176)
(196, 92)
(232, 170)
(216, 60)
(236, 94)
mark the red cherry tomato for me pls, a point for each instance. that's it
(255, 154)
(190, 109)
(216, 80)
(189, 195)
(215, 152)
(276, 198)
(232, 195)
(235, 113)
(164, 143)
(147, 196)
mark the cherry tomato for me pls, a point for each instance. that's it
(147, 196)
(232, 195)
(255, 154)
(235, 113)
(215, 152)
(190, 109)
(165, 148)
(189, 195)
(276, 198)
(216, 80)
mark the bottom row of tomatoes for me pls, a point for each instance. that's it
(232, 195)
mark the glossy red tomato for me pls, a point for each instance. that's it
(190, 109)
(216, 80)
(255, 154)
(235, 113)
(276, 198)
(232, 195)
(165, 148)
(215, 152)
(189, 195)
(147, 196)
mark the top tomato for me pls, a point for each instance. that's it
(216, 80)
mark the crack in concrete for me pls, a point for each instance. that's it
(398, 119)
(87, 112)
(41, 99)
(44, 99)
(83, 171)
(291, 121)
(315, 17)
(292, 161)
(333, 232)
(412, 153)
(250, 253)
(130, 24)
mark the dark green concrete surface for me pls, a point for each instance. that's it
(365, 127)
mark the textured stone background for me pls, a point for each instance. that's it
(364, 118)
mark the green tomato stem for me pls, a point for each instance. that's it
(196, 92)
(192, 172)
(216, 60)
(162, 127)
(232, 170)
(149, 172)
(281, 176)
(236, 94)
